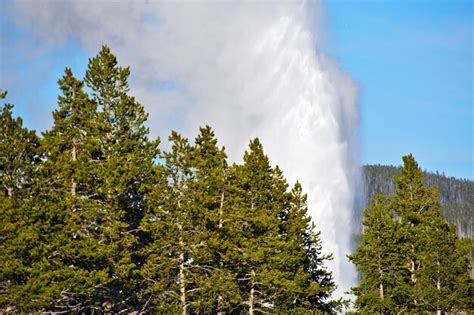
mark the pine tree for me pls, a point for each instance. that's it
(308, 284)
(19, 158)
(423, 265)
(214, 199)
(437, 259)
(262, 201)
(126, 173)
(380, 261)
(174, 224)
(443, 281)
(19, 153)
(71, 261)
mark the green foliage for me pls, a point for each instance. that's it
(409, 258)
(380, 261)
(90, 223)
(19, 158)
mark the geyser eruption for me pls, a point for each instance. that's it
(248, 70)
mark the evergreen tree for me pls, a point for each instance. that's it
(443, 282)
(437, 260)
(126, 172)
(19, 158)
(308, 283)
(381, 262)
(280, 267)
(214, 199)
(19, 153)
(174, 223)
(259, 210)
(71, 259)
(426, 266)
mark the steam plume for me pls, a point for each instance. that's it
(248, 69)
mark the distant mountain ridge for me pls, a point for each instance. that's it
(456, 195)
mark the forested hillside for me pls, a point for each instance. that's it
(456, 195)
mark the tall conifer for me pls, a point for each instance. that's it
(381, 262)
(214, 193)
(125, 171)
(436, 259)
(174, 223)
(19, 158)
(410, 258)
(308, 284)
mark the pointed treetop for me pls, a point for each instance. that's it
(411, 171)
(105, 77)
(255, 152)
(75, 107)
(206, 134)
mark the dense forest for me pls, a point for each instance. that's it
(97, 218)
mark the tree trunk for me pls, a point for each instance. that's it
(438, 286)
(74, 158)
(182, 277)
(73, 182)
(219, 305)
(221, 209)
(252, 295)
(219, 296)
(381, 276)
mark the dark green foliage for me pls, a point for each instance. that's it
(19, 158)
(410, 259)
(88, 198)
(229, 239)
(18, 165)
(280, 265)
(380, 261)
(125, 172)
(308, 282)
(93, 222)
(456, 196)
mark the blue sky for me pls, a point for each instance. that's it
(413, 61)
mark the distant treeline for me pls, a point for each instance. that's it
(455, 195)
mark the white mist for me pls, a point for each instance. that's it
(246, 68)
